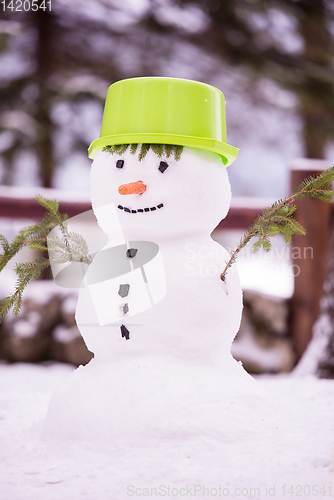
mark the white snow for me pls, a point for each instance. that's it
(64, 334)
(69, 304)
(28, 193)
(247, 348)
(298, 455)
(26, 327)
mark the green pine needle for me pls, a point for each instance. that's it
(278, 218)
(178, 152)
(122, 148)
(133, 148)
(159, 149)
(143, 151)
(69, 247)
(25, 272)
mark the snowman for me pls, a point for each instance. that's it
(173, 204)
(153, 308)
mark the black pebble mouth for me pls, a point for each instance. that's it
(150, 209)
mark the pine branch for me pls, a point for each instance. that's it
(110, 149)
(52, 206)
(133, 148)
(178, 152)
(26, 272)
(116, 148)
(143, 151)
(121, 148)
(27, 237)
(159, 149)
(74, 249)
(168, 150)
(278, 218)
(70, 247)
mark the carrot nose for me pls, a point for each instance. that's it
(132, 188)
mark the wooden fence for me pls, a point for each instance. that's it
(310, 261)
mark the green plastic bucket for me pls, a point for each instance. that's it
(165, 111)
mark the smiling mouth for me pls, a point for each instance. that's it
(140, 210)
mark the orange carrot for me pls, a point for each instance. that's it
(132, 188)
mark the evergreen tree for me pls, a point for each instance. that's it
(244, 34)
(70, 56)
(66, 56)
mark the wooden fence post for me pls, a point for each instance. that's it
(309, 255)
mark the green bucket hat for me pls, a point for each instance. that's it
(157, 110)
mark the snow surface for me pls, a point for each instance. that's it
(300, 453)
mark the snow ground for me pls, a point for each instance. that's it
(297, 461)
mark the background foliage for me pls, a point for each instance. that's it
(56, 67)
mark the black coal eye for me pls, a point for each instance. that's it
(163, 166)
(119, 163)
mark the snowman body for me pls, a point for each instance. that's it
(199, 314)
(174, 374)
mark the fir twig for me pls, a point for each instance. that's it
(116, 148)
(178, 152)
(110, 149)
(278, 218)
(133, 148)
(122, 148)
(159, 149)
(26, 272)
(168, 150)
(143, 151)
(70, 247)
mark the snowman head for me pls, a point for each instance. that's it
(161, 195)
(158, 195)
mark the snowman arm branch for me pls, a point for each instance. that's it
(71, 247)
(26, 272)
(243, 242)
(278, 219)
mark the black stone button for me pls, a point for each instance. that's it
(125, 309)
(131, 252)
(120, 163)
(125, 332)
(124, 290)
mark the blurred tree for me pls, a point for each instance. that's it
(288, 41)
(318, 358)
(68, 55)
(71, 54)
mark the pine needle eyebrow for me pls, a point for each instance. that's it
(161, 150)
